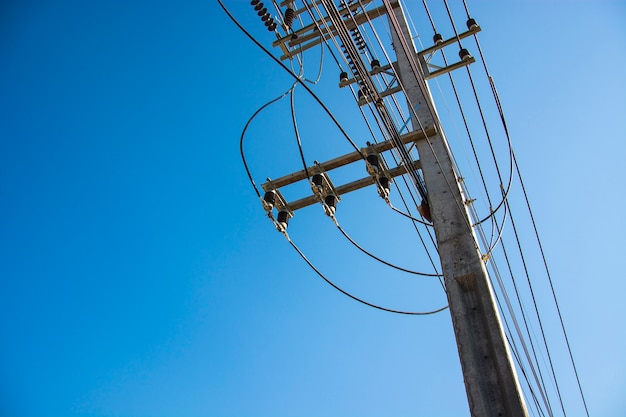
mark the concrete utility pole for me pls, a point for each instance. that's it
(490, 378)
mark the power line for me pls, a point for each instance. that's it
(388, 115)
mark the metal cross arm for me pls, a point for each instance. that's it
(348, 158)
(324, 167)
(310, 36)
(351, 186)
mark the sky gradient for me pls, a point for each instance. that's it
(140, 277)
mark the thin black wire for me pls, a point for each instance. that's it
(243, 133)
(295, 76)
(499, 107)
(482, 176)
(467, 129)
(534, 225)
(377, 120)
(514, 160)
(290, 91)
(552, 289)
(359, 67)
(371, 255)
(243, 158)
(329, 282)
(428, 230)
(343, 232)
(503, 202)
(297, 133)
(486, 130)
(432, 23)
(532, 293)
(510, 182)
(500, 229)
(525, 320)
(456, 34)
(374, 138)
(517, 356)
(416, 69)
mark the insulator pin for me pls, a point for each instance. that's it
(383, 189)
(471, 24)
(464, 54)
(283, 218)
(372, 159)
(270, 198)
(331, 204)
(375, 65)
(318, 180)
(343, 77)
(437, 38)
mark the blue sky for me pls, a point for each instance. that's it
(139, 276)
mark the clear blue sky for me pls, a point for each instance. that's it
(139, 276)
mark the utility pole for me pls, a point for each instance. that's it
(490, 379)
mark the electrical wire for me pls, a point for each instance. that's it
(297, 133)
(354, 95)
(367, 303)
(243, 134)
(290, 93)
(323, 20)
(317, 271)
(291, 73)
(371, 255)
(389, 127)
(499, 107)
(496, 98)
